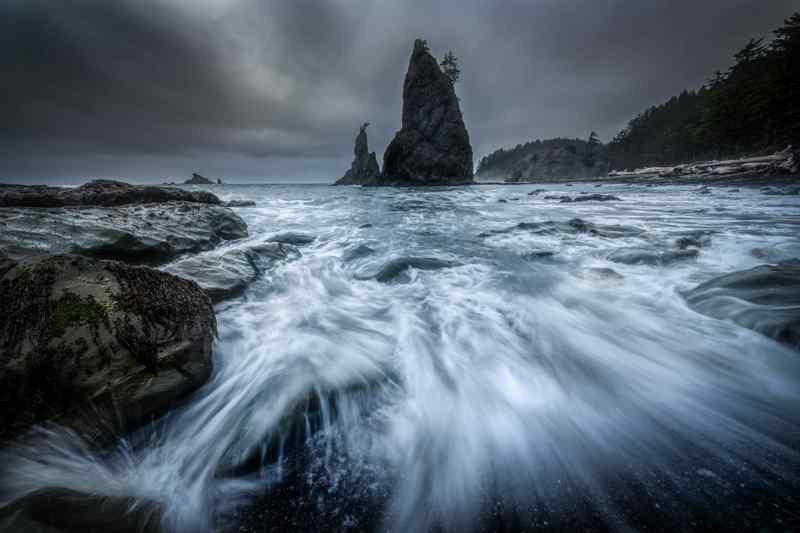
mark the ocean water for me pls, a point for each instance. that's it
(518, 380)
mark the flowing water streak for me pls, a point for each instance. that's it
(498, 378)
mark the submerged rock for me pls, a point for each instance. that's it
(598, 273)
(695, 240)
(291, 237)
(574, 226)
(538, 254)
(591, 198)
(151, 233)
(98, 345)
(97, 193)
(765, 299)
(364, 169)
(240, 203)
(432, 147)
(789, 191)
(392, 270)
(645, 256)
(562, 198)
(227, 274)
(362, 250)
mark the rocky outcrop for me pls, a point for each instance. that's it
(197, 179)
(364, 169)
(149, 234)
(98, 346)
(227, 274)
(765, 299)
(105, 193)
(433, 146)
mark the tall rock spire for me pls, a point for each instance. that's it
(364, 169)
(433, 147)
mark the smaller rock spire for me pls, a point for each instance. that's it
(364, 169)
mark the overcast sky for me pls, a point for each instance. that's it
(268, 90)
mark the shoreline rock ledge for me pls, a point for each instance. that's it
(364, 168)
(432, 147)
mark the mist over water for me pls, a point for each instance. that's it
(500, 386)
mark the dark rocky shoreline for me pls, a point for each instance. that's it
(105, 193)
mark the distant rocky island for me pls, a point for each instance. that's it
(197, 179)
(432, 146)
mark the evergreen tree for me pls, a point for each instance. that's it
(590, 155)
(449, 66)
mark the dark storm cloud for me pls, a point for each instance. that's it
(246, 89)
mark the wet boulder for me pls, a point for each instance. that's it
(226, 274)
(293, 237)
(98, 346)
(148, 234)
(765, 299)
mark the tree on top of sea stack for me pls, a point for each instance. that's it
(433, 146)
(450, 68)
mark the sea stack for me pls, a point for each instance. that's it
(364, 169)
(197, 179)
(433, 147)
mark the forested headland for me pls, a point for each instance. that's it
(752, 108)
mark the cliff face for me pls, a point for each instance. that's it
(364, 169)
(433, 147)
(549, 160)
